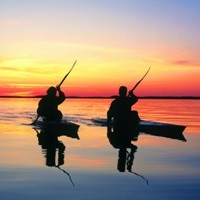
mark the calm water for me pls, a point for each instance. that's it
(162, 168)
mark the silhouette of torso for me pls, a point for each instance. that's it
(48, 107)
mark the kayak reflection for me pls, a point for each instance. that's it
(54, 149)
(122, 139)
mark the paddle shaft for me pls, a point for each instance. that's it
(140, 80)
(67, 74)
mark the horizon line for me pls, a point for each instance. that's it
(108, 97)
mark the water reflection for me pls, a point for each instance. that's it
(122, 139)
(54, 149)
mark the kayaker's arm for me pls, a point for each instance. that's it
(110, 113)
(61, 96)
(109, 116)
(132, 97)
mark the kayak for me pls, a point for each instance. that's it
(58, 128)
(172, 131)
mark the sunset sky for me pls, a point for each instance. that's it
(113, 41)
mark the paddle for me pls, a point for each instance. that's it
(58, 86)
(66, 75)
(70, 178)
(140, 80)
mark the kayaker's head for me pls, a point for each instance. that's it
(123, 91)
(51, 91)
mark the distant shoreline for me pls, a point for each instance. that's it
(112, 97)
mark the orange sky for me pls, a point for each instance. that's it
(114, 43)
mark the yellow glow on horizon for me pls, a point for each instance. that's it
(96, 76)
(99, 71)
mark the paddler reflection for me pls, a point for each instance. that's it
(50, 147)
(54, 149)
(122, 139)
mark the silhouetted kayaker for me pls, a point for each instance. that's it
(48, 105)
(120, 108)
